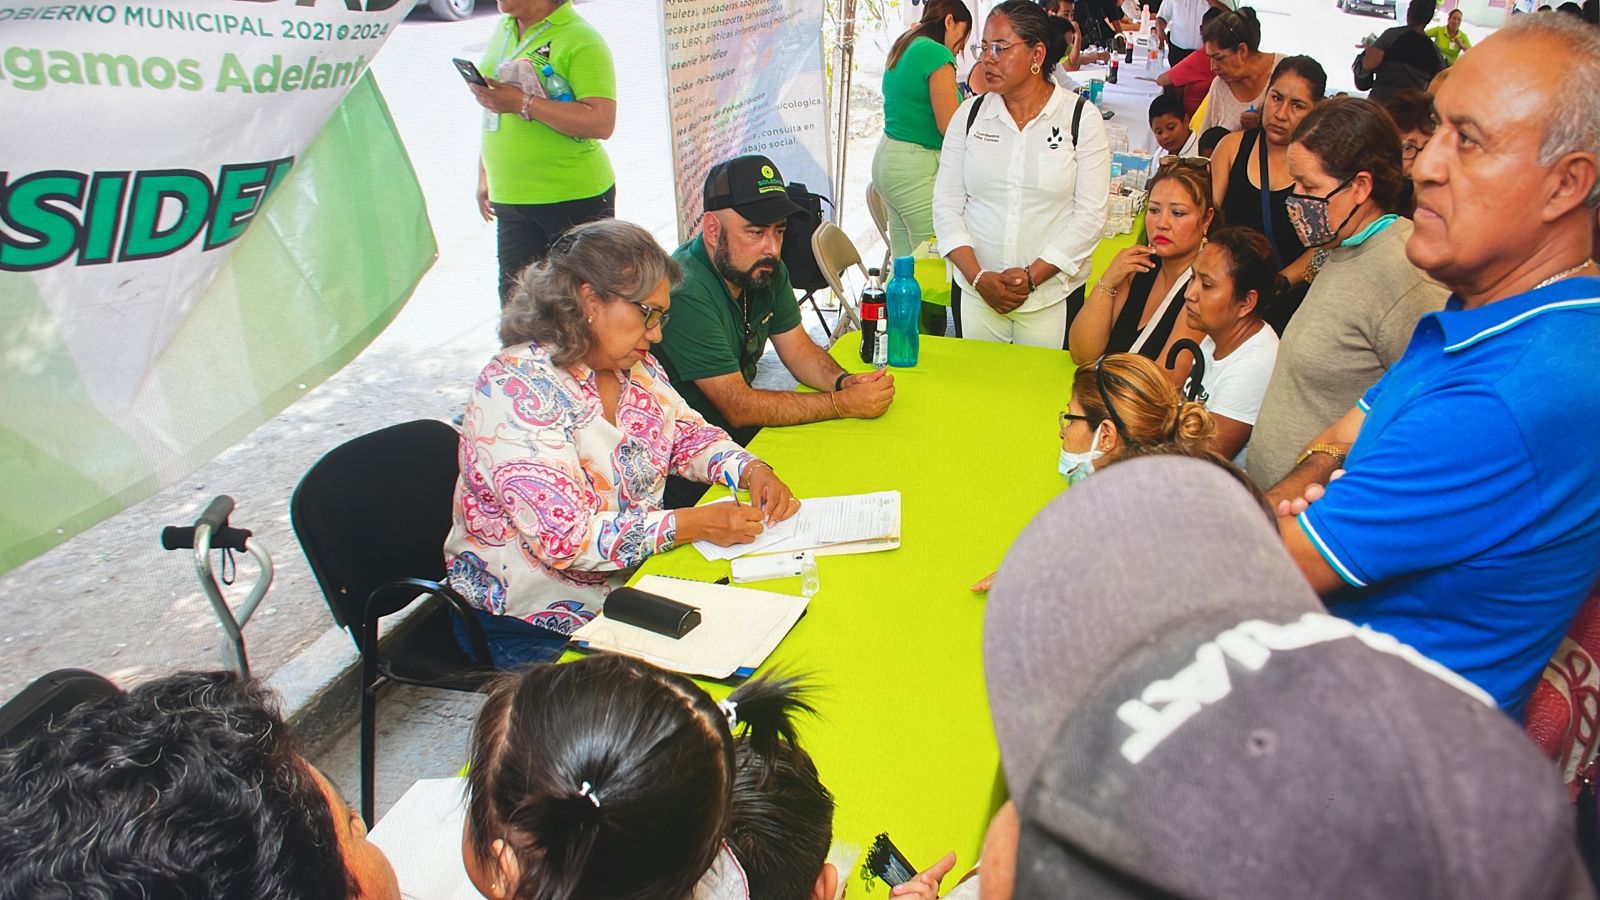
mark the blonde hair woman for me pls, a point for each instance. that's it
(1123, 406)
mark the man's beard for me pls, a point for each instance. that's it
(747, 279)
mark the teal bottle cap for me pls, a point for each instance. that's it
(905, 267)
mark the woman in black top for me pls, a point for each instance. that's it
(1297, 85)
(1095, 21)
(1137, 306)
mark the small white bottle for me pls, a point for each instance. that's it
(810, 581)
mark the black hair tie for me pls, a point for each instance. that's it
(1105, 397)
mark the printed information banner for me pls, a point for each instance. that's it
(745, 77)
(204, 211)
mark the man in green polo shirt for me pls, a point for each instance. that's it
(734, 296)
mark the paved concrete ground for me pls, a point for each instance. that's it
(110, 600)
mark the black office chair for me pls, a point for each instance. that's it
(49, 696)
(372, 516)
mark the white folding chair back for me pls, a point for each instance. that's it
(880, 218)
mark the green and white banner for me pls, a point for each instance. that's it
(204, 210)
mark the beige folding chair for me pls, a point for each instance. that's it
(836, 253)
(880, 218)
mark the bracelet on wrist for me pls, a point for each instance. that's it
(526, 116)
(835, 402)
(1028, 270)
(838, 383)
(749, 467)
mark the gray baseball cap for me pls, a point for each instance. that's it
(1179, 716)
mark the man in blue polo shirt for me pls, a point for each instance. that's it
(1467, 519)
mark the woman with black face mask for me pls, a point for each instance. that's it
(1364, 302)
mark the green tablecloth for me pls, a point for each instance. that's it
(894, 639)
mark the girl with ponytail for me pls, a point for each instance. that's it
(606, 777)
(781, 825)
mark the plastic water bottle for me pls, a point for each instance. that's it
(810, 578)
(555, 86)
(905, 310)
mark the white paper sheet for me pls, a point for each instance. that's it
(822, 521)
(421, 835)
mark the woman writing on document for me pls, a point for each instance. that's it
(570, 434)
(1020, 199)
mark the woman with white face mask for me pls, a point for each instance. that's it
(1122, 405)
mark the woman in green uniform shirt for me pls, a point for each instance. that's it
(919, 97)
(542, 169)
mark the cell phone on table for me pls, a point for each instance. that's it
(469, 72)
(1107, 113)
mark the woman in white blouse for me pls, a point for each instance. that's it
(571, 432)
(1235, 281)
(1020, 200)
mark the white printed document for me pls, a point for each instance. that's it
(854, 523)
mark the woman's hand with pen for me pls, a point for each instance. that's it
(768, 493)
(723, 524)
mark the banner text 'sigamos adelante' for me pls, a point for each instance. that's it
(60, 217)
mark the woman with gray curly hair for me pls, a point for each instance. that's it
(570, 434)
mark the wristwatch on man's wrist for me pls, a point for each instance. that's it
(1336, 452)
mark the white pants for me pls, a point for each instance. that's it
(1043, 327)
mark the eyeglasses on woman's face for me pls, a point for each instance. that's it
(993, 49)
(653, 315)
(1067, 418)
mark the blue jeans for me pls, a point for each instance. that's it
(513, 643)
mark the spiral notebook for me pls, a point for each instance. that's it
(739, 628)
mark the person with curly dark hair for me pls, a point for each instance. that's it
(188, 787)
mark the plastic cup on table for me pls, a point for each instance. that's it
(1097, 89)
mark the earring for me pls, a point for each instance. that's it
(1203, 241)
(1035, 69)
(590, 320)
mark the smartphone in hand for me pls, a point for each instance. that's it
(469, 72)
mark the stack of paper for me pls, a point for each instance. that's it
(739, 628)
(856, 523)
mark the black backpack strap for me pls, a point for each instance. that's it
(1077, 115)
(972, 114)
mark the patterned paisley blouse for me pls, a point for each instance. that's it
(555, 504)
